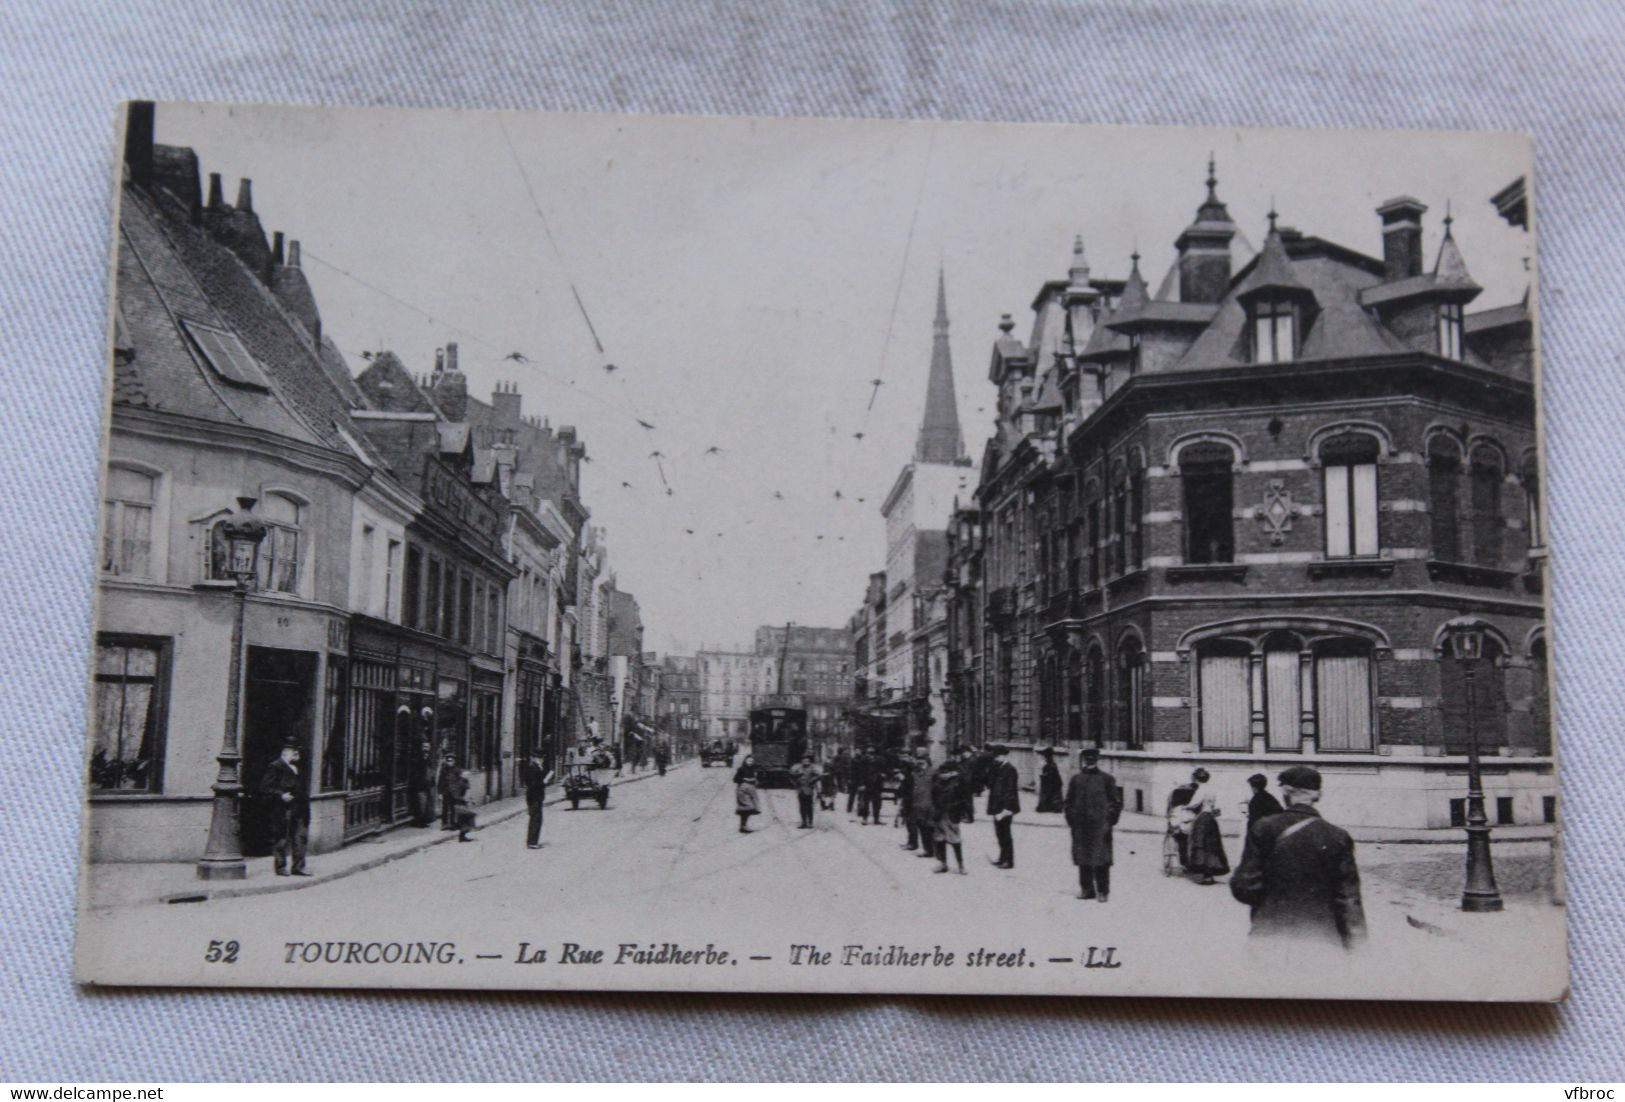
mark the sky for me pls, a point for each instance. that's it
(749, 279)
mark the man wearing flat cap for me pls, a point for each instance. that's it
(1297, 872)
(1003, 802)
(284, 785)
(1093, 804)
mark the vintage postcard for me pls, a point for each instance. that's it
(612, 552)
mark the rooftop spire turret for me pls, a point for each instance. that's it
(940, 440)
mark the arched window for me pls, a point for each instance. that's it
(1488, 714)
(1485, 477)
(280, 552)
(1074, 696)
(1131, 703)
(1224, 695)
(1050, 693)
(1444, 497)
(1136, 514)
(1205, 473)
(1343, 691)
(1094, 690)
(1093, 537)
(1530, 476)
(1540, 700)
(127, 508)
(1350, 480)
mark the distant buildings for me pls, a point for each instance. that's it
(729, 684)
(899, 637)
(817, 664)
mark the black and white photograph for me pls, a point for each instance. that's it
(567, 551)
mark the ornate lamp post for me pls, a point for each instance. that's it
(223, 856)
(1481, 893)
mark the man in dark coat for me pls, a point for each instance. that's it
(1297, 872)
(1093, 804)
(535, 777)
(1003, 802)
(950, 801)
(874, 788)
(290, 807)
(858, 774)
(442, 784)
(1049, 783)
(921, 817)
(662, 757)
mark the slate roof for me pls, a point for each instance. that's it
(172, 269)
(156, 289)
(1340, 327)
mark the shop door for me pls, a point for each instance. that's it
(278, 704)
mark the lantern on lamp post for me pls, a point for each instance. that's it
(1481, 893)
(242, 533)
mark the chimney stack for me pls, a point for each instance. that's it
(1401, 237)
(217, 198)
(293, 253)
(451, 355)
(138, 122)
(505, 404)
(245, 195)
(439, 361)
(276, 249)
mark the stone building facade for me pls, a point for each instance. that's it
(1233, 525)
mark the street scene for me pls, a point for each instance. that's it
(588, 531)
(666, 865)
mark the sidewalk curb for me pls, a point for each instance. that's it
(496, 816)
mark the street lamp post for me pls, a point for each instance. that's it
(223, 855)
(1481, 893)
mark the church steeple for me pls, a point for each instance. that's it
(940, 440)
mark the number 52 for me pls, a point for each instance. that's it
(221, 952)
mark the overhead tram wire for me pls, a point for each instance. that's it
(575, 292)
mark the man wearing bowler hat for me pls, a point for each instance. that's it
(1297, 872)
(1093, 805)
(284, 784)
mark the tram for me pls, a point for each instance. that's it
(778, 738)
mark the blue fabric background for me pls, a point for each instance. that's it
(1552, 68)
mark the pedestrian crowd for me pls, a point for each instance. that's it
(1297, 872)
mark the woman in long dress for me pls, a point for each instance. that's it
(746, 802)
(1049, 783)
(1204, 853)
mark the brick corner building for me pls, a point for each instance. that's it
(1229, 525)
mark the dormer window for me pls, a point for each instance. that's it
(1450, 330)
(1274, 330)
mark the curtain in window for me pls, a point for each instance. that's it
(127, 523)
(125, 739)
(1226, 701)
(1283, 704)
(1343, 704)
